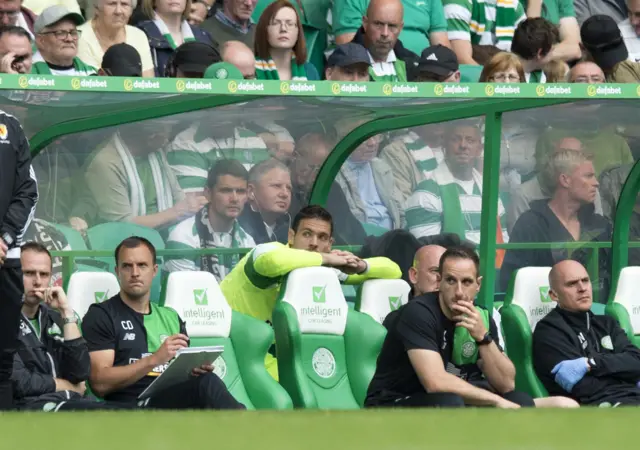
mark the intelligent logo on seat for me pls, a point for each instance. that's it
(395, 303)
(319, 294)
(100, 296)
(200, 297)
(544, 294)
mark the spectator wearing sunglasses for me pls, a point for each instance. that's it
(57, 42)
(15, 50)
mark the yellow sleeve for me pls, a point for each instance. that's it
(275, 260)
(378, 268)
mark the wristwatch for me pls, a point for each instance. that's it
(72, 319)
(486, 340)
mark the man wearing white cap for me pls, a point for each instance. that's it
(57, 41)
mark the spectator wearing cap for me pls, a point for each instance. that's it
(57, 42)
(231, 21)
(533, 41)
(109, 27)
(190, 60)
(223, 71)
(603, 40)
(630, 30)
(348, 62)
(413, 154)
(169, 29)
(121, 60)
(379, 35)
(15, 14)
(437, 64)
(280, 47)
(424, 22)
(476, 22)
(241, 56)
(16, 52)
(562, 15)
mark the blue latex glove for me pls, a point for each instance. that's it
(570, 372)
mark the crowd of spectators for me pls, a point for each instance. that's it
(237, 183)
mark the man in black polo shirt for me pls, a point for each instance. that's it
(131, 341)
(428, 359)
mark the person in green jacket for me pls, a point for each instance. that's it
(252, 287)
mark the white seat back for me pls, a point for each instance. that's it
(627, 296)
(379, 297)
(87, 288)
(531, 293)
(197, 298)
(315, 294)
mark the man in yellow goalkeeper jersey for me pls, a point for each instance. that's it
(252, 286)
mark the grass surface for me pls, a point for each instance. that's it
(477, 429)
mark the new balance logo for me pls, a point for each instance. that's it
(200, 297)
(100, 296)
(395, 303)
(319, 294)
(129, 337)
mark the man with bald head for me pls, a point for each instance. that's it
(578, 354)
(241, 56)
(532, 189)
(379, 35)
(424, 275)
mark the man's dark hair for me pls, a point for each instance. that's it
(532, 36)
(461, 252)
(36, 247)
(312, 212)
(14, 30)
(223, 167)
(134, 242)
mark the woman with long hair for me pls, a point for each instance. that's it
(280, 47)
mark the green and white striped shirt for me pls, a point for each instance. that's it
(78, 69)
(425, 157)
(193, 152)
(483, 22)
(444, 204)
(185, 236)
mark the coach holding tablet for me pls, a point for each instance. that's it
(131, 341)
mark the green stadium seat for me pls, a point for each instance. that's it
(625, 307)
(373, 230)
(470, 73)
(526, 303)
(73, 237)
(197, 298)
(107, 236)
(87, 288)
(326, 352)
(377, 298)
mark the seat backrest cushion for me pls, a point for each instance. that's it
(197, 298)
(86, 288)
(627, 296)
(531, 293)
(310, 323)
(377, 298)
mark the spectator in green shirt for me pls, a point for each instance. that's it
(379, 35)
(424, 22)
(562, 14)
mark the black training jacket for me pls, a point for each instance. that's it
(40, 359)
(18, 189)
(614, 360)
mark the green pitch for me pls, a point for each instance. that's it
(477, 429)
